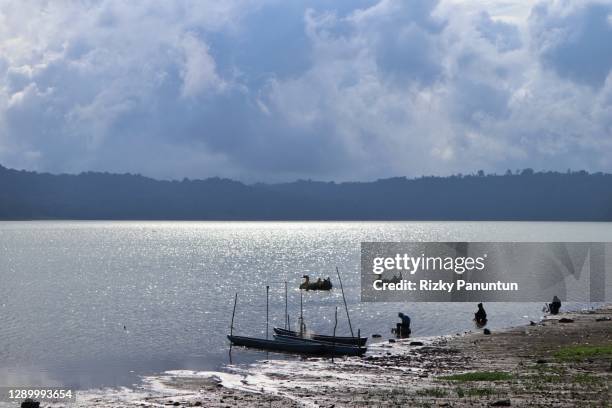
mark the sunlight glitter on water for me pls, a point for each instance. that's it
(134, 299)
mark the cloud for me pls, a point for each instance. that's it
(504, 36)
(574, 39)
(275, 90)
(87, 75)
(199, 70)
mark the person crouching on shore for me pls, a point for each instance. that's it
(403, 328)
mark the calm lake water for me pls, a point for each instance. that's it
(67, 289)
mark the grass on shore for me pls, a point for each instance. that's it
(479, 376)
(473, 392)
(576, 353)
(586, 378)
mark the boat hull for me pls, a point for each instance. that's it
(279, 346)
(316, 286)
(330, 348)
(356, 341)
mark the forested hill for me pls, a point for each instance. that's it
(572, 196)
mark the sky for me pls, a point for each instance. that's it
(277, 90)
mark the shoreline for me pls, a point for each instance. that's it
(563, 360)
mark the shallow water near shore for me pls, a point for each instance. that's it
(96, 304)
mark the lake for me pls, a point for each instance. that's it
(91, 304)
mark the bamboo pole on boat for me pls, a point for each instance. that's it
(233, 313)
(335, 326)
(345, 306)
(267, 308)
(286, 309)
(301, 313)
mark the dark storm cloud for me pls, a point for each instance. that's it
(576, 43)
(277, 90)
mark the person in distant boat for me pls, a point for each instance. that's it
(403, 328)
(480, 316)
(555, 305)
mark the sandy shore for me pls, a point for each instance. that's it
(563, 361)
(523, 366)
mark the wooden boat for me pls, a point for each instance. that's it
(279, 345)
(355, 341)
(293, 344)
(319, 284)
(330, 347)
(394, 279)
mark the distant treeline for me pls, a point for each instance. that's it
(522, 195)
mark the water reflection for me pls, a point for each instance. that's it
(68, 289)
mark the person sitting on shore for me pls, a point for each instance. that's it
(555, 305)
(403, 328)
(480, 316)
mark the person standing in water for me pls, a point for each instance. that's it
(555, 305)
(480, 316)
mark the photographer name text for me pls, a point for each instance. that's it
(441, 286)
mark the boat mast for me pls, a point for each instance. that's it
(301, 314)
(286, 309)
(345, 306)
(335, 325)
(233, 313)
(267, 308)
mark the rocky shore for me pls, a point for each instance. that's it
(562, 361)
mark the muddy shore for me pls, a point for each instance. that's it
(562, 361)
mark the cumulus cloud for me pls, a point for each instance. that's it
(273, 90)
(199, 70)
(574, 39)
